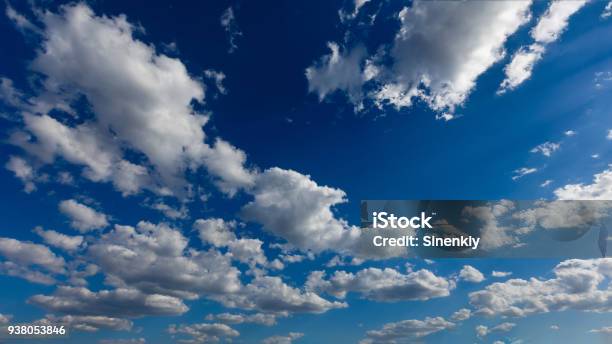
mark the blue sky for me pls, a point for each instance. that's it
(168, 163)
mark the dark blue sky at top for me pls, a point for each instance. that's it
(388, 154)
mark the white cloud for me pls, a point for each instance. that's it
(523, 171)
(500, 274)
(156, 259)
(609, 135)
(570, 133)
(549, 28)
(482, 331)
(28, 254)
(288, 339)
(109, 303)
(204, 332)
(603, 330)
(271, 295)
(24, 171)
(171, 212)
(607, 12)
(471, 274)
(82, 217)
(551, 24)
(520, 67)
(546, 183)
(5, 318)
(141, 97)
(220, 233)
(8, 94)
(340, 70)
(445, 116)
(217, 232)
(554, 327)
(407, 330)
(218, 78)
(600, 188)
(19, 20)
(87, 323)
(357, 5)
(546, 148)
(123, 341)
(266, 319)
(230, 25)
(249, 251)
(65, 242)
(292, 206)
(461, 315)
(438, 53)
(447, 46)
(576, 285)
(553, 215)
(387, 285)
(492, 233)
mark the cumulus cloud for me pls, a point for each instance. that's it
(266, 319)
(387, 285)
(576, 285)
(271, 295)
(9, 94)
(118, 303)
(216, 232)
(288, 339)
(470, 274)
(446, 46)
(204, 332)
(26, 260)
(493, 233)
(59, 240)
(500, 274)
(569, 133)
(220, 233)
(141, 101)
(521, 66)
(292, 206)
(561, 214)
(600, 188)
(340, 70)
(24, 172)
(407, 330)
(461, 315)
(438, 53)
(546, 148)
(156, 259)
(482, 331)
(82, 217)
(87, 323)
(549, 28)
